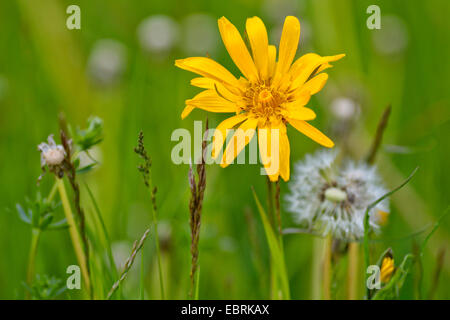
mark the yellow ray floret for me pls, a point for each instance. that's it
(270, 94)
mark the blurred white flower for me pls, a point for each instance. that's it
(200, 34)
(107, 61)
(277, 10)
(51, 153)
(158, 34)
(392, 38)
(331, 200)
(305, 38)
(344, 108)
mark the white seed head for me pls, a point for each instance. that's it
(107, 61)
(331, 199)
(392, 38)
(200, 35)
(158, 34)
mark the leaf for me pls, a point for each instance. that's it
(61, 224)
(275, 250)
(435, 227)
(422, 249)
(46, 220)
(22, 214)
(86, 169)
(366, 220)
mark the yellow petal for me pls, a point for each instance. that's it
(220, 134)
(257, 35)
(315, 84)
(297, 112)
(311, 132)
(209, 100)
(186, 111)
(307, 66)
(208, 68)
(265, 150)
(272, 60)
(237, 49)
(240, 139)
(202, 82)
(288, 46)
(284, 155)
(301, 62)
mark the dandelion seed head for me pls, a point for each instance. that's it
(107, 61)
(200, 36)
(344, 108)
(158, 34)
(392, 38)
(332, 199)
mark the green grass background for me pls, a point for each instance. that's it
(44, 65)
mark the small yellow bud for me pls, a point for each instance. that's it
(387, 269)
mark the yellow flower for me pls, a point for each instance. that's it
(387, 269)
(270, 94)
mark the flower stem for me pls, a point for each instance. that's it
(353, 265)
(76, 240)
(316, 274)
(327, 269)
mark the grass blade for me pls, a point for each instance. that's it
(366, 221)
(276, 253)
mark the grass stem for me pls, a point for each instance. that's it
(158, 252)
(316, 274)
(75, 236)
(35, 236)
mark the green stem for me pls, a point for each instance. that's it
(52, 192)
(35, 236)
(158, 252)
(75, 236)
(142, 291)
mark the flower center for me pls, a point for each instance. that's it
(53, 157)
(335, 195)
(263, 101)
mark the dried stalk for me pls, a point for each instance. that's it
(129, 263)
(71, 176)
(144, 169)
(379, 135)
(195, 210)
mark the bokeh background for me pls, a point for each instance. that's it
(120, 67)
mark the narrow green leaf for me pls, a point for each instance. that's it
(277, 255)
(366, 221)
